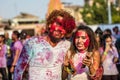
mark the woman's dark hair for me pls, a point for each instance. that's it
(93, 43)
(2, 36)
(104, 40)
(16, 33)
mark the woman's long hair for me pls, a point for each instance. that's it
(93, 43)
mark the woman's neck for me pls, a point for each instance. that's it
(82, 51)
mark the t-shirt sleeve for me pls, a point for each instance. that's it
(115, 52)
(18, 45)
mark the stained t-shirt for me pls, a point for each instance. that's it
(81, 72)
(45, 61)
(3, 60)
(108, 65)
(16, 46)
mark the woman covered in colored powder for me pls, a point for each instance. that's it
(83, 55)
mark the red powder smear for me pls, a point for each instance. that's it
(78, 34)
(57, 28)
(87, 41)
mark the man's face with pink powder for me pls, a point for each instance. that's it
(57, 30)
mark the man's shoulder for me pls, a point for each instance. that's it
(34, 40)
(66, 43)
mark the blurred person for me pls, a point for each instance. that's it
(41, 29)
(117, 44)
(109, 59)
(98, 36)
(8, 42)
(107, 31)
(16, 49)
(44, 54)
(23, 37)
(83, 55)
(3, 60)
(116, 33)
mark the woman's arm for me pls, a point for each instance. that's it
(96, 62)
(92, 62)
(66, 59)
(65, 63)
(105, 52)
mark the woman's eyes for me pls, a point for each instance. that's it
(82, 37)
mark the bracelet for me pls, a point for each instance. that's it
(105, 53)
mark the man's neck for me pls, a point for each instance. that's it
(52, 43)
(16, 40)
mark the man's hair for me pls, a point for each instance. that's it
(69, 21)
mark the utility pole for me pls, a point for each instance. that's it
(109, 12)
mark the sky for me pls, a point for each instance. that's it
(12, 8)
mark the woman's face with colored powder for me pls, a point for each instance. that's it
(81, 40)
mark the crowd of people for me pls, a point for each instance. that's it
(64, 52)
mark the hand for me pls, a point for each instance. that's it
(107, 47)
(87, 60)
(12, 69)
(66, 62)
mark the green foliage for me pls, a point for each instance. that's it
(98, 13)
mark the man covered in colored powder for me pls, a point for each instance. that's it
(45, 54)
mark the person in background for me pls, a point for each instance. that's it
(8, 42)
(116, 33)
(83, 55)
(16, 49)
(40, 30)
(108, 31)
(109, 59)
(117, 45)
(45, 54)
(3, 60)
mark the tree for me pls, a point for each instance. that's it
(98, 13)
